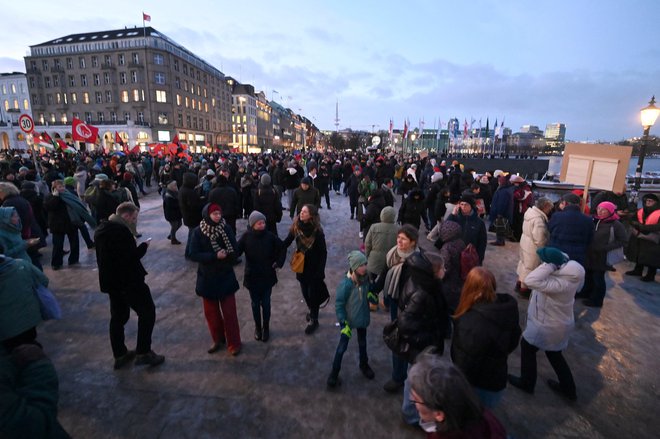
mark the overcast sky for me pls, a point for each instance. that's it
(591, 64)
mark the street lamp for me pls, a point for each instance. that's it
(648, 116)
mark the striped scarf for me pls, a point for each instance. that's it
(215, 231)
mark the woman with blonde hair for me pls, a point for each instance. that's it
(486, 331)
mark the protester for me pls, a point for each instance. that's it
(172, 211)
(474, 229)
(60, 225)
(535, 235)
(571, 231)
(380, 238)
(306, 194)
(644, 246)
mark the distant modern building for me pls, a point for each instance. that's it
(532, 129)
(137, 82)
(244, 116)
(555, 132)
(264, 122)
(14, 101)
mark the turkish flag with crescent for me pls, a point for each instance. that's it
(83, 132)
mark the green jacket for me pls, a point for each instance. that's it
(351, 304)
(19, 306)
(380, 239)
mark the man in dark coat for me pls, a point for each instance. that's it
(121, 276)
(191, 204)
(571, 231)
(60, 225)
(474, 229)
(225, 196)
(305, 194)
(266, 200)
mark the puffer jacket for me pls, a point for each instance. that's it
(535, 235)
(423, 316)
(451, 245)
(351, 303)
(380, 239)
(483, 339)
(571, 231)
(602, 243)
(550, 318)
(190, 202)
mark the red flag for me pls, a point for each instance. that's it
(176, 140)
(405, 129)
(61, 144)
(118, 139)
(172, 148)
(146, 17)
(83, 132)
(136, 149)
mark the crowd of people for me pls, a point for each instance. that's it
(431, 295)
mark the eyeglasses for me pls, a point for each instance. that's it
(414, 401)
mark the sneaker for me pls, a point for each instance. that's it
(333, 380)
(150, 359)
(367, 371)
(361, 234)
(124, 360)
(557, 388)
(517, 382)
(215, 347)
(392, 386)
(313, 325)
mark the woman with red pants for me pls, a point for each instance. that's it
(213, 245)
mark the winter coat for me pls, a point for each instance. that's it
(422, 315)
(388, 195)
(292, 181)
(351, 304)
(81, 182)
(215, 277)
(412, 209)
(482, 340)
(106, 205)
(640, 250)
(451, 245)
(24, 211)
(118, 257)
(550, 312)
(128, 185)
(474, 231)
(381, 237)
(227, 198)
(58, 215)
(19, 306)
(596, 259)
(301, 197)
(10, 236)
(36, 200)
(352, 184)
(190, 202)
(502, 203)
(372, 213)
(267, 201)
(534, 236)
(262, 251)
(315, 257)
(171, 206)
(571, 231)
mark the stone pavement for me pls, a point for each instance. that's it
(277, 389)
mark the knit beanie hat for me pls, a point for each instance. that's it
(101, 177)
(306, 180)
(265, 180)
(213, 208)
(69, 181)
(437, 176)
(552, 255)
(128, 176)
(356, 259)
(465, 198)
(571, 199)
(255, 217)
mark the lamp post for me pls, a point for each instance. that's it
(649, 114)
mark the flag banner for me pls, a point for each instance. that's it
(176, 140)
(83, 132)
(437, 135)
(405, 129)
(146, 17)
(118, 139)
(135, 149)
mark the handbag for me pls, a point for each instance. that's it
(392, 339)
(615, 255)
(50, 309)
(298, 262)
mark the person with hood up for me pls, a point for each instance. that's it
(214, 247)
(486, 331)
(267, 202)
(10, 235)
(380, 238)
(413, 210)
(190, 203)
(172, 211)
(352, 309)
(263, 255)
(227, 197)
(644, 246)
(550, 320)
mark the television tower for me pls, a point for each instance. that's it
(337, 116)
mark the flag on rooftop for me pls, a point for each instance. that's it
(146, 17)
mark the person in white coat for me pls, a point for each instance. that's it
(550, 320)
(535, 234)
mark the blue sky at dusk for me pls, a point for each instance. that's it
(589, 64)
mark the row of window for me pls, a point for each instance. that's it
(88, 116)
(26, 105)
(82, 61)
(12, 88)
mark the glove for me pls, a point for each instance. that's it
(372, 298)
(346, 330)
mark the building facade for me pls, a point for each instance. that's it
(14, 101)
(136, 82)
(244, 116)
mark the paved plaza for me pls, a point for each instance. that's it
(277, 389)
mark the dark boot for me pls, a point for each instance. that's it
(266, 333)
(650, 275)
(312, 326)
(333, 380)
(367, 371)
(637, 271)
(258, 333)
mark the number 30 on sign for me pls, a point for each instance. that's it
(26, 123)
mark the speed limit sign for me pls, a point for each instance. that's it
(26, 123)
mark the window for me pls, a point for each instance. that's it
(42, 121)
(44, 65)
(58, 98)
(199, 91)
(6, 105)
(185, 69)
(140, 117)
(56, 64)
(81, 62)
(206, 107)
(76, 115)
(106, 78)
(47, 82)
(161, 96)
(66, 100)
(88, 116)
(162, 118)
(124, 96)
(192, 73)
(179, 119)
(85, 98)
(108, 96)
(83, 80)
(122, 78)
(134, 77)
(56, 83)
(185, 85)
(69, 63)
(207, 125)
(121, 59)
(205, 93)
(33, 84)
(158, 59)
(187, 102)
(97, 79)
(194, 104)
(95, 61)
(52, 117)
(26, 104)
(176, 65)
(194, 122)
(100, 116)
(136, 95)
(178, 100)
(136, 58)
(177, 83)
(127, 115)
(74, 98)
(187, 121)
(72, 81)
(99, 97)
(113, 117)
(108, 60)
(159, 78)
(63, 119)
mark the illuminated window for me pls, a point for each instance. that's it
(194, 103)
(124, 96)
(161, 96)
(85, 98)
(58, 98)
(52, 117)
(136, 95)
(187, 101)
(178, 100)
(26, 104)
(74, 98)
(64, 119)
